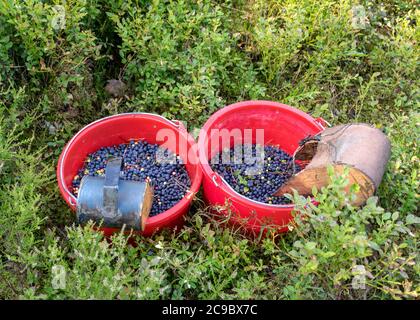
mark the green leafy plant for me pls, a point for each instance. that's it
(335, 243)
(182, 61)
(345, 61)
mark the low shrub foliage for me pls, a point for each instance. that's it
(345, 61)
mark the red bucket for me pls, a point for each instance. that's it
(283, 126)
(122, 128)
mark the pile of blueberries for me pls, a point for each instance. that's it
(169, 178)
(255, 171)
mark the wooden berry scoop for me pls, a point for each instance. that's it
(361, 147)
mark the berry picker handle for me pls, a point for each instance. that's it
(110, 191)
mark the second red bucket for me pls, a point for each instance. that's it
(283, 126)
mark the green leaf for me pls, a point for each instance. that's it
(298, 244)
(310, 245)
(374, 246)
(412, 219)
(199, 221)
(330, 170)
(372, 201)
(386, 216)
(311, 266)
(328, 254)
(314, 191)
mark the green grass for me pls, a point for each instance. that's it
(347, 62)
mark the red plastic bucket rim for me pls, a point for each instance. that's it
(195, 185)
(243, 105)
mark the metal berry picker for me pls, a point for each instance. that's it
(141, 163)
(112, 201)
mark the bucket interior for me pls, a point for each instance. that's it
(283, 127)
